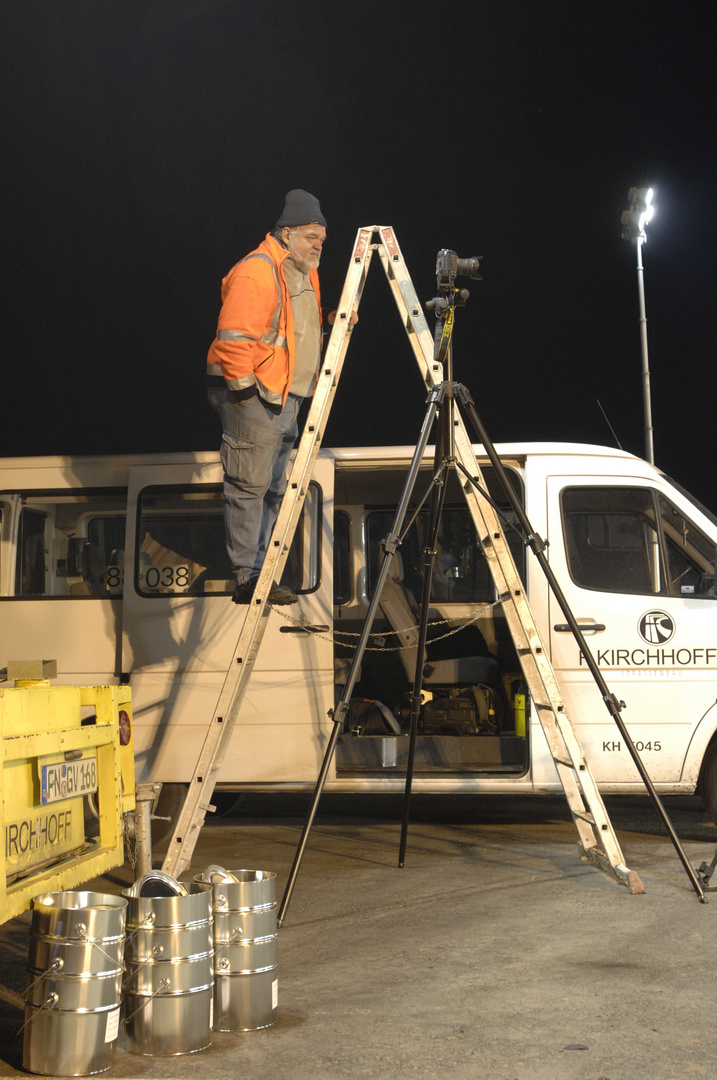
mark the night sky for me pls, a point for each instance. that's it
(148, 145)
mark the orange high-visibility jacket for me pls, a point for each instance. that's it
(255, 334)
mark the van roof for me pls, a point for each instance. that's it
(341, 453)
(508, 450)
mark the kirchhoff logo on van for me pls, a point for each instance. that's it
(656, 627)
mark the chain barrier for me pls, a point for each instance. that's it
(338, 635)
(130, 849)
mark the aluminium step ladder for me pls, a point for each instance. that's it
(597, 838)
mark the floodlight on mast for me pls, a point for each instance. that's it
(634, 220)
(638, 214)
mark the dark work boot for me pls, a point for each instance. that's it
(281, 595)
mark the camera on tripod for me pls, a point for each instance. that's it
(449, 267)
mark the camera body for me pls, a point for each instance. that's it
(449, 267)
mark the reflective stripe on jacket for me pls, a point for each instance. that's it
(255, 333)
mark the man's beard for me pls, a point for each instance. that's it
(308, 262)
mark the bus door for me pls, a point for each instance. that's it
(639, 576)
(181, 629)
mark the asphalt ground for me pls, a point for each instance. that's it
(494, 954)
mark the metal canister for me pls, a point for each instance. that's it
(73, 995)
(246, 983)
(169, 969)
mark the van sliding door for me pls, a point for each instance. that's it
(181, 629)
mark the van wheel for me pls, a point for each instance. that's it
(708, 780)
(169, 805)
(227, 803)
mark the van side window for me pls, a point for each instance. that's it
(632, 540)
(461, 574)
(181, 545)
(63, 544)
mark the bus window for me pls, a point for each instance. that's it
(65, 544)
(181, 545)
(632, 540)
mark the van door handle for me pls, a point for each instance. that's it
(585, 628)
(305, 628)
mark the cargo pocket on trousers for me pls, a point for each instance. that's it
(237, 456)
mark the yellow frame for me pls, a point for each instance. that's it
(38, 720)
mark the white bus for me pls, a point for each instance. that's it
(116, 568)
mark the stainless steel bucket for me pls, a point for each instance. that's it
(246, 984)
(73, 995)
(169, 971)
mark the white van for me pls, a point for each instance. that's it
(116, 568)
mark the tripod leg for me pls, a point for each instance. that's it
(342, 705)
(438, 494)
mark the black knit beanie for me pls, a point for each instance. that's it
(300, 208)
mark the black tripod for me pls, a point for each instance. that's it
(440, 409)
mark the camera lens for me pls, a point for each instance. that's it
(469, 268)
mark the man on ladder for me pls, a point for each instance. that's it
(260, 367)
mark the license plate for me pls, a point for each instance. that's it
(68, 779)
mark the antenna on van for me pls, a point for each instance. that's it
(612, 429)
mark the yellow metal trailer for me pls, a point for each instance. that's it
(59, 745)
